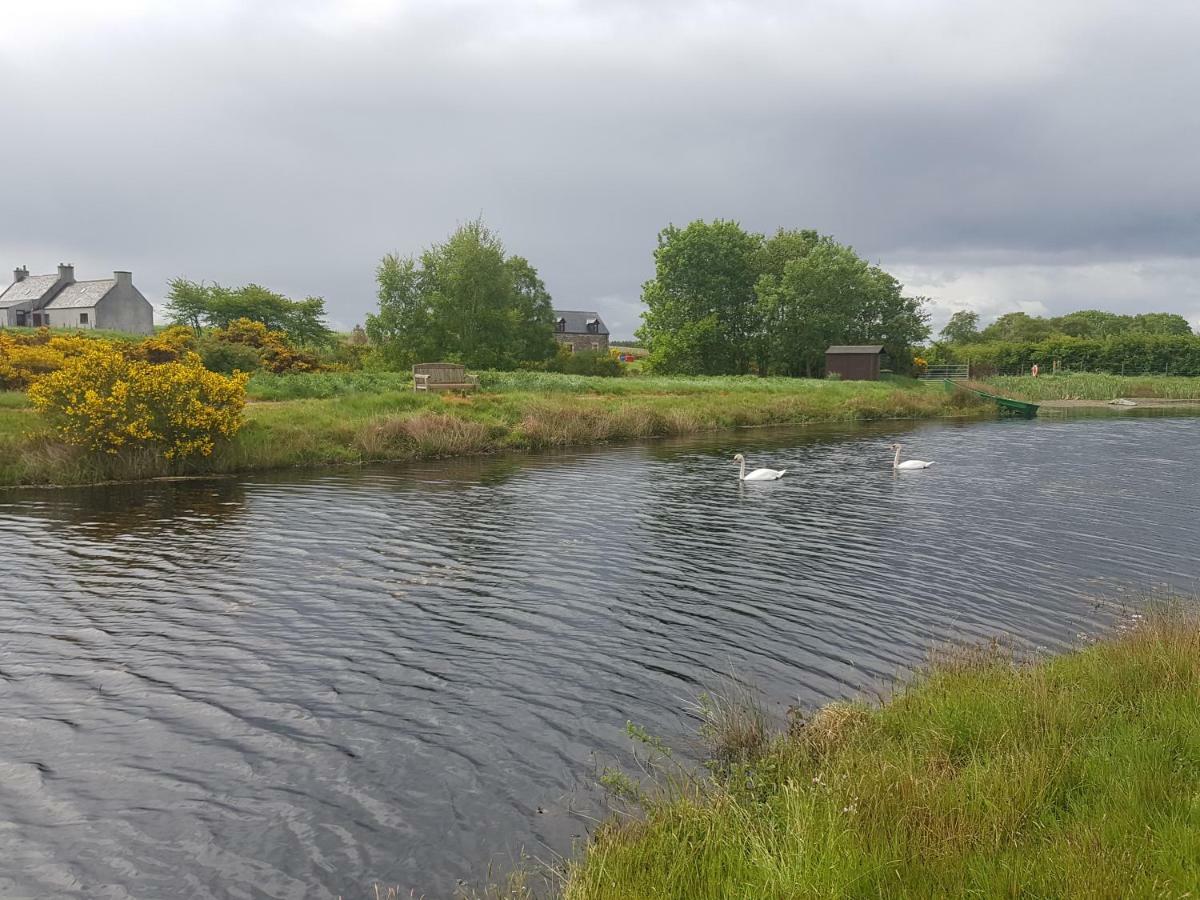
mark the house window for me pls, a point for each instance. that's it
(22, 318)
(593, 326)
(83, 318)
(560, 326)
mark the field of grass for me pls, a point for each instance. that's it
(309, 420)
(1096, 387)
(1074, 776)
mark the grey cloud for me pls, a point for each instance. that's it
(294, 144)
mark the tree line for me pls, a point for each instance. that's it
(1087, 340)
(1019, 327)
(723, 300)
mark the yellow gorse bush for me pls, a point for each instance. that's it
(26, 357)
(105, 399)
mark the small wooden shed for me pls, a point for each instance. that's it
(860, 362)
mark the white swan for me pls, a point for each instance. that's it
(757, 474)
(909, 464)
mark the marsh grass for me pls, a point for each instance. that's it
(1096, 387)
(987, 775)
(361, 417)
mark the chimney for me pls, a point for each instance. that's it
(124, 279)
(66, 273)
(20, 274)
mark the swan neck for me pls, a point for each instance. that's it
(742, 474)
(896, 461)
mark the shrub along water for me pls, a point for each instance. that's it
(1072, 776)
(109, 402)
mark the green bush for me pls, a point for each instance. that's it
(586, 362)
(226, 358)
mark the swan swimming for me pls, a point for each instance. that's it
(757, 474)
(909, 464)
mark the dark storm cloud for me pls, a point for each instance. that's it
(995, 156)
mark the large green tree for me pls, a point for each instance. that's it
(963, 327)
(701, 316)
(201, 305)
(830, 295)
(463, 300)
(1018, 326)
(1160, 324)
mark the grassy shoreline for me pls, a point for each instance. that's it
(1077, 775)
(316, 420)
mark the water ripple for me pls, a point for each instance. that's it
(280, 686)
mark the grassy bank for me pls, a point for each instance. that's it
(1075, 776)
(308, 420)
(1096, 387)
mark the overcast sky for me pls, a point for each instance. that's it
(1042, 156)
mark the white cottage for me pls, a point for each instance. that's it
(59, 301)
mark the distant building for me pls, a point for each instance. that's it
(860, 362)
(580, 330)
(59, 301)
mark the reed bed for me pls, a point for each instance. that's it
(1096, 387)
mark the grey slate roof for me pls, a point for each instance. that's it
(577, 322)
(31, 288)
(850, 348)
(82, 294)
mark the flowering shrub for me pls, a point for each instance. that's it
(106, 400)
(274, 349)
(25, 357)
(167, 346)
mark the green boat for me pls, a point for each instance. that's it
(1006, 404)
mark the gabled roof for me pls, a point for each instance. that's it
(576, 322)
(33, 288)
(82, 294)
(853, 348)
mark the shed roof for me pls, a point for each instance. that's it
(856, 348)
(576, 322)
(33, 287)
(82, 294)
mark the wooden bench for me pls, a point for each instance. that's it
(443, 377)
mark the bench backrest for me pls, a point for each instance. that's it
(442, 373)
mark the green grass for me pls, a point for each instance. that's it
(1096, 387)
(1073, 776)
(363, 417)
(265, 386)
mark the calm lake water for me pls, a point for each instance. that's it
(294, 686)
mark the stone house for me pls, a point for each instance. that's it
(580, 330)
(59, 301)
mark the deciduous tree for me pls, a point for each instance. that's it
(463, 300)
(702, 313)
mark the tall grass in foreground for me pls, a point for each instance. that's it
(1077, 775)
(1096, 387)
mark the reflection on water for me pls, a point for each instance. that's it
(292, 686)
